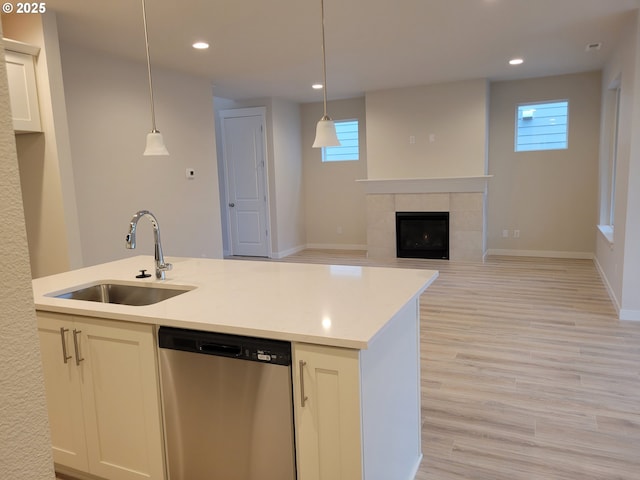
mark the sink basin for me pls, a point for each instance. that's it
(123, 294)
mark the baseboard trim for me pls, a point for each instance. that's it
(631, 315)
(540, 253)
(607, 285)
(286, 253)
(335, 246)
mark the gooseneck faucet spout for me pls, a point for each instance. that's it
(161, 266)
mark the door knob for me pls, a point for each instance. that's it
(232, 204)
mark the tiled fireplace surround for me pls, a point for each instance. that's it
(463, 197)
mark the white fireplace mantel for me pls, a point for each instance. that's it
(426, 185)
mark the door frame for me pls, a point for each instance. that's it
(235, 113)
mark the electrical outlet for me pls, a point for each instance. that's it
(412, 139)
(505, 233)
(516, 234)
(339, 230)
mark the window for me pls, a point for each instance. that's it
(613, 155)
(542, 126)
(611, 116)
(349, 149)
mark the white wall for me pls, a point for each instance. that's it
(619, 263)
(109, 117)
(25, 444)
(550, 196)
(334, 202)
(448, 121)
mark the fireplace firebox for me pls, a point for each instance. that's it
(422, 235)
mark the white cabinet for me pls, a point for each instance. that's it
(103, 396)
(328, 433)
(23, 91)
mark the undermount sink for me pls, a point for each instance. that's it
(123, 294)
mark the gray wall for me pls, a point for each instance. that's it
(288, 179)
(46, 173)
(447, 121)
(335, 213)
(619, 261)
(284, 172)
(551, 196)
(109, 117)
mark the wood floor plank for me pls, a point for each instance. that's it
(526, 372)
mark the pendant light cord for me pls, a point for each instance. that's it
(146, 43)
(324, 65)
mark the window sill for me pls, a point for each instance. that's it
(607, 233)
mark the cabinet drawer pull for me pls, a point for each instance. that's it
(65, 357)
(76, 346)
(303, 397)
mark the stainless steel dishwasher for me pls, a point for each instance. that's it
(228, 406)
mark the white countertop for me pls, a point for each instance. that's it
(332, 305)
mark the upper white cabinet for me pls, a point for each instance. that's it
(23, 92)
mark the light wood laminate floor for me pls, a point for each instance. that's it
(526, 372)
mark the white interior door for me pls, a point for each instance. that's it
(243, 147)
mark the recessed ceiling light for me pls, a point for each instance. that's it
(317, 86)
(200, 45)
(516, 61)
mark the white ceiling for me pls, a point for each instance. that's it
(273, 47)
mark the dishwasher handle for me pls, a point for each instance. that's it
(220, 349)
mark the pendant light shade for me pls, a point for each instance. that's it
(155, 145)
(325, 130)
(326, 134)
(155, 142)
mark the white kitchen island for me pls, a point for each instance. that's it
(355, 344)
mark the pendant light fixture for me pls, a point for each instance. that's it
(155, 142)
(325, 130)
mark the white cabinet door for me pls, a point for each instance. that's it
(62, 386)
(23, 92)
(328, 432)
(104, 403)
(121, 400)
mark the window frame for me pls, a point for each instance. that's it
(324, 157)
(520, 106)
(614, 156)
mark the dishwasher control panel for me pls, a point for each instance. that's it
(254, 349)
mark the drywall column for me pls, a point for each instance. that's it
(25, 445)
(45, 158)
(619, 262)
(630, 308)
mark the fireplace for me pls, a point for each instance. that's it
(422, 235)
(463, 197)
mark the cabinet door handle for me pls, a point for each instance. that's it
(76, 346)
(303, 397)
(65, 357)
